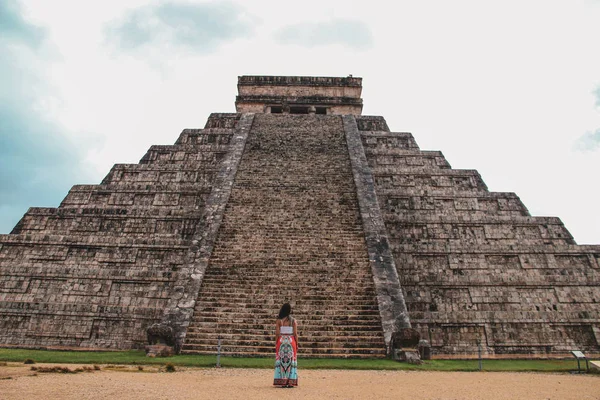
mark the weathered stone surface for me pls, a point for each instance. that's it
(104, 266)
(364, 233)
(424, 350)
(160, 334)
(394, 316)
(180, 308)
(410, 356)
(292, 232)
(159, 350)
(406, 338)
(299, 94)
(474, 264)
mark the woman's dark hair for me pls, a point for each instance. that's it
(285, 311)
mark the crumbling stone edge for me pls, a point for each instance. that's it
(180, 308)
(392, 307)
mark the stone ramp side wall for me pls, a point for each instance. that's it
(291, 232)
(474, 264)
(389, 293)
(180, 307)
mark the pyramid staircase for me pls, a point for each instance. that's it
(291, 232)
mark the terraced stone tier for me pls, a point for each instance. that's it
(474, 265)
(291, 233)
(96, 271)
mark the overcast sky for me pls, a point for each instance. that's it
(510, 88)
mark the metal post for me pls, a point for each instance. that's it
(479, 349)
(587, 366)
(219, 353)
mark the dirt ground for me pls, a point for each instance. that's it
(17, 381)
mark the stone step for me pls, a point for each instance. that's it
(304, 228)
(292, 256)
(49, 239)
(347, 301)
(267, 282)
(468, 220)
(172, 226)
(222, 120)
(286, 281)
(184, 153)
(210, 136)
(224, 268)
(370, 337)
(364, 343)
(143, 192)
(393, 152)
(279, 293)
(272, 354)
(281, 268)
(253, 310)
(385, 134)
(442, 212)
(334, 274)
(269, 332)
(332, 351)
(386, 143)
(300, 304)
(258, 310)
(307, 299)
(298, 293)
(350, 322)
(115, 211)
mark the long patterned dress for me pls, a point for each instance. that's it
(286, 362)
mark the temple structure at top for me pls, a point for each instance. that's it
(299, 95)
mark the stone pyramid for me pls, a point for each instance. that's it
(297, 197)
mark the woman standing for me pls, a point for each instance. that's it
(286, 349)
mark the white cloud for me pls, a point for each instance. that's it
(350, 33)
(195, 27)
(590, 141)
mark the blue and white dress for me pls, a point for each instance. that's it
(286, 358)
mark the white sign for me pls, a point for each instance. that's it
(578, 354)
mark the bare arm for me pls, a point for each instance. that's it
(277, 329)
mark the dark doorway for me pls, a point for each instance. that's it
(298, 110)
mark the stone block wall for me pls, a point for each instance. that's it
(339, 95)
(475, 265)
(353, 224)
(105, 264)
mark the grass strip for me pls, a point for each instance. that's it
(136, 357)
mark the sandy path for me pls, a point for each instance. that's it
(319, 384)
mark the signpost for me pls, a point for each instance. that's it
(580, 356)
(219, 353)
(479, 350)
